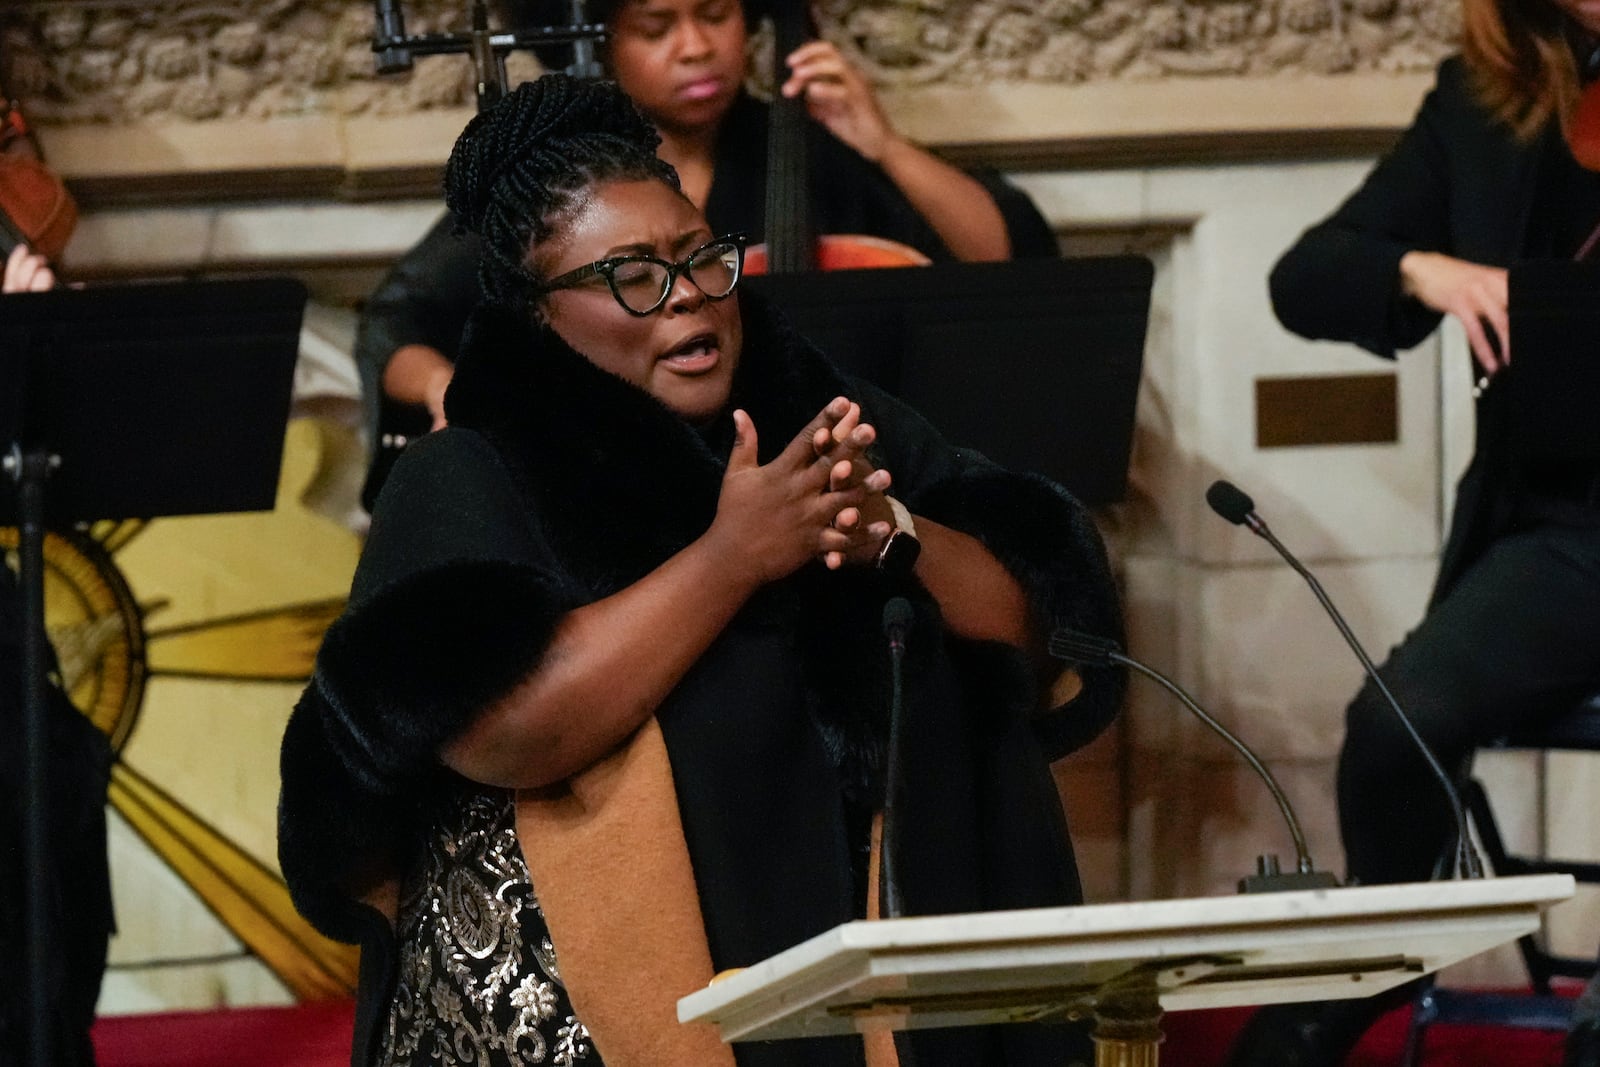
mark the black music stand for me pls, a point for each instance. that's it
(131, 402)
(1033, 362)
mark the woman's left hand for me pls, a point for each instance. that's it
(839, 96)
(867, 525)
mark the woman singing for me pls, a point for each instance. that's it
(607, 711)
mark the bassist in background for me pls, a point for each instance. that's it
(683, 62)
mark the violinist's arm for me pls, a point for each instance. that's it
(954, 203)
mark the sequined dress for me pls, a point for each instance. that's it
(477, 983)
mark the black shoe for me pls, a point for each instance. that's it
(1318, 1034)
(1583, 1045)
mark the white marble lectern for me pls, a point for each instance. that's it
(1123, 964)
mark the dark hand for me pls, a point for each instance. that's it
(840, 97)
(866, 525)
(772, 519)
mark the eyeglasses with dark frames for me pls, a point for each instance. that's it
(641, 284)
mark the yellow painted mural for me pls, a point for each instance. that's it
(187, 641)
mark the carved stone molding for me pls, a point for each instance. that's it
(968, 42)
(91, 61)
(284, 90)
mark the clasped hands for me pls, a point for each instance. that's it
(843, 447)
(821, 498)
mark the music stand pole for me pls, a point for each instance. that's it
(30, 470)
(81, 371)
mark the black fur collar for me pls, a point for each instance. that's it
(622, 482)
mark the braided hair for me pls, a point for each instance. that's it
(518, 170)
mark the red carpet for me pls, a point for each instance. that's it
(1201, 1039)
(309, 1035)
(318, 1035)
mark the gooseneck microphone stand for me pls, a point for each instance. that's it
(1233, 504)
(1090, 650)
(394, 50)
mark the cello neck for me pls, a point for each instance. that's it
(790, 240)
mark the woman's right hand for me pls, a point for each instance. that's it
(1471, 293)
(840, 97)
(774, 518)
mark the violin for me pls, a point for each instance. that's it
(791, 244)
(1583, 139)
(1583, 132)
(35, 207)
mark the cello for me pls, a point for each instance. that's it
(792, 245)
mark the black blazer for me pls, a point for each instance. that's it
(1456, 183)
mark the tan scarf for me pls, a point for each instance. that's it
(610, 868)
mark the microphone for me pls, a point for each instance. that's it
(1231, 502)
(390, 56)
(897, 618)
(1091, 651)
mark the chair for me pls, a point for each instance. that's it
(1578, 731)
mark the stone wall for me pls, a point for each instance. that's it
(168, 99)
(115, 63)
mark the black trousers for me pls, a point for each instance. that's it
(1514, 644)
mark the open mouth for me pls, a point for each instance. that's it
(697, 353)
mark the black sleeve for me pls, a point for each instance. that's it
(1341, 280)
(453, 602)
(425, 298)
(1038, 531)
